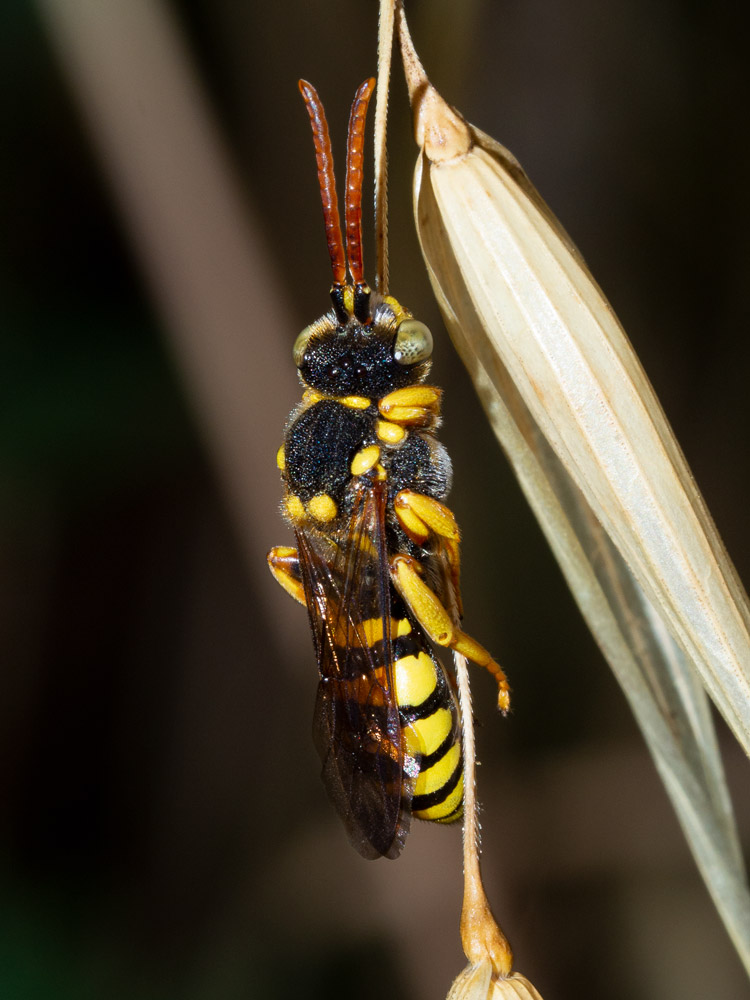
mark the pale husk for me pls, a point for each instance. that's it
(477, 983)
(599, 464)
(545, 321)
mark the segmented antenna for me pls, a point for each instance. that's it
(353, 201)
(327, 182)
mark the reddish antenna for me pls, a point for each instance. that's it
(353, 201)
(327, 182)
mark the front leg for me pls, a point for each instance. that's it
(283, 562)
(415, 405)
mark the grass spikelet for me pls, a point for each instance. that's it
(599, 464)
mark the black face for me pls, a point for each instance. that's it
(356, 360)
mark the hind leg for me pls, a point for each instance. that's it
(431, 614)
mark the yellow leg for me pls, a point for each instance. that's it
(429, 611)
(284, 564)
(420, 516)
(415, 404)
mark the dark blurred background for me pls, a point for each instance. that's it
(164, 831)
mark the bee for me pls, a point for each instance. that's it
(377, 557)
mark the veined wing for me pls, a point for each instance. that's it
(366, 771)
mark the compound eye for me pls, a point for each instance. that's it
(300, 346)
(413, 342)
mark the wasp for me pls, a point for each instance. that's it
(377, 557)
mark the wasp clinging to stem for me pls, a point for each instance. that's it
(377, 557)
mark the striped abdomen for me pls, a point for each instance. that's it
(430, 722)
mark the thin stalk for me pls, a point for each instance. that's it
(385, 48)
(481, 936)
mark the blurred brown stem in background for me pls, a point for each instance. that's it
(191, 230)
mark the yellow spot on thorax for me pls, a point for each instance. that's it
(311, 396)
(322, 507)
(294, 508)
(389, 433)
(354, 402)
(280, 458)
(364, 460)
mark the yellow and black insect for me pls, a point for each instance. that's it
(377, 562)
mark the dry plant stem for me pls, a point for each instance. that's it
(481, 937)
(385, 49)
(438, 130)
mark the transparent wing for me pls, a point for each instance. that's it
(357, 731)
